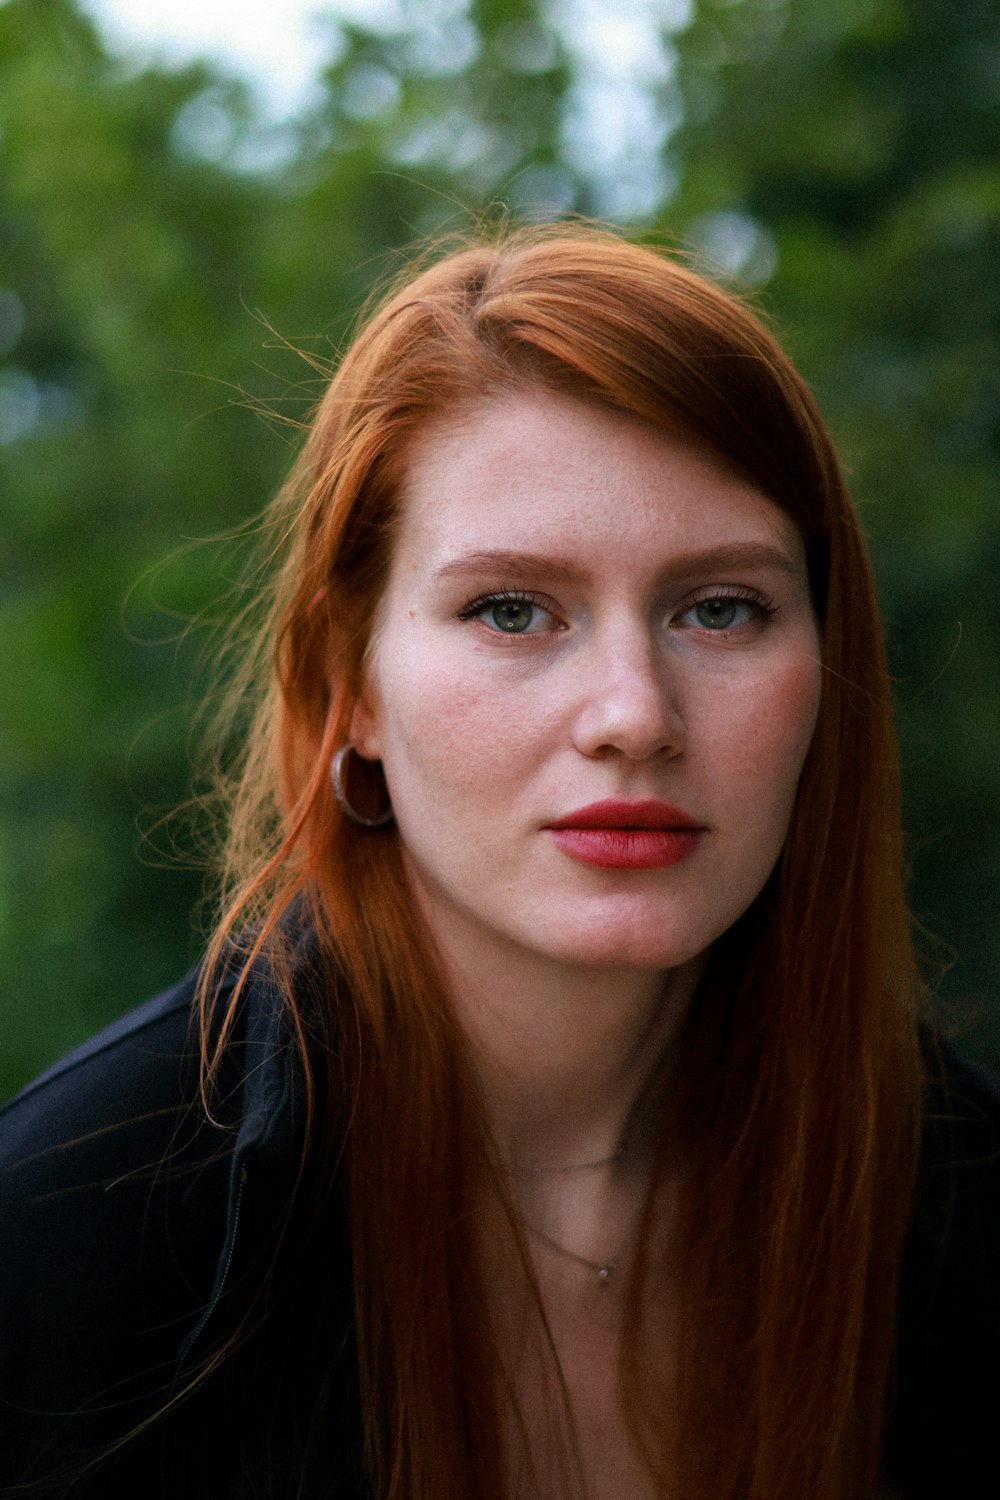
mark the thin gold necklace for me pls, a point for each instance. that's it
(575, 1166)
(603, 1270)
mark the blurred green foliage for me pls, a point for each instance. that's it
(159, 243)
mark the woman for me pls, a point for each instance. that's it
(553, 1124)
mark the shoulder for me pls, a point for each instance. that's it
(95, 1131)
(957, 1202)
(140, 1055)
(113, 1200)
(965, 1089)
(136, 1233)
(955, 1233)
(948, 1355)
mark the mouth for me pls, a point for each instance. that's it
(615, 835)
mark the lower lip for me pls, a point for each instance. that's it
(627, 848)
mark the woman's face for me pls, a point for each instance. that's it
(592, 684)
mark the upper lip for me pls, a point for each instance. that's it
(613, 813)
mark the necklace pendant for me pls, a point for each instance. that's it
(604, 1274)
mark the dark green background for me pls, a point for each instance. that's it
(159, 246)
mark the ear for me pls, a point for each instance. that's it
(364, 731)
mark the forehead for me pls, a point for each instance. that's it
(540, 471)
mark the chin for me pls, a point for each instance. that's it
(606, 949)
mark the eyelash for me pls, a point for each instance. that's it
(762, 606)
(482, 602)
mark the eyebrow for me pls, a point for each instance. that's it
(729, 556)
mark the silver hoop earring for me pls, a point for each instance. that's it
(337, 777)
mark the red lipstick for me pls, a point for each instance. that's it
(614, 835)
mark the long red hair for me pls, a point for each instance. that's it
(800, 1085)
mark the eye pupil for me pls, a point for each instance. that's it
(716, 614)
(512, 615)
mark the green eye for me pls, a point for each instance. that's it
(718, 614)
(509, 612)
(512, 615)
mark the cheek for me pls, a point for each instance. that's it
(768, 728)
(442, 734)
(800, 694)
(785, 716)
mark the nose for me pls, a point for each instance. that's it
(630, 700)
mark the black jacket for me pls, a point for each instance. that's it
(130, 1230)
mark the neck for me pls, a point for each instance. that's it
(571, 1061)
